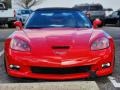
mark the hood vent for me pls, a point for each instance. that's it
(60, 47)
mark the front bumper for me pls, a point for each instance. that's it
(60, 77)
(3, 20)
(26, 61)
(7, 20)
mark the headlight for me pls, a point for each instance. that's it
(19, 44)
(100, 43)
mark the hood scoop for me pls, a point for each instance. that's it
(60, 50)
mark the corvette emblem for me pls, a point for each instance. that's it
(68, 62)
(60, 52)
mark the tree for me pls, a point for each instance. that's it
(28, 3)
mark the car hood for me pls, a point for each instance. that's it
(53, 37)
(58, 44)
(58, 36)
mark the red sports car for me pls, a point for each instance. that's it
(59, 44)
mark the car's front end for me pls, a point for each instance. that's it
(60, 62)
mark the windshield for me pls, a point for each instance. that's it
(57, 19)
(25, 11)
(1, 6)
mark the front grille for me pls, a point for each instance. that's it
(71, 70)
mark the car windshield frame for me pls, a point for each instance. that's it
(87, 23)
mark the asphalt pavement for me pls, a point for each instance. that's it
(104, 83)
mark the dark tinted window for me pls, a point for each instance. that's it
(1, 6)
(115, 14)
(96, 8)
(119, 13)
(89, 7)
(26, 11)
(83, 8)
(57, 19)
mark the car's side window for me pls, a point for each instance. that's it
(119, 13)
(115, 14)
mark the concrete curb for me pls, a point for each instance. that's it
(78, 85)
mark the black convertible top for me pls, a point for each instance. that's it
(57, 9)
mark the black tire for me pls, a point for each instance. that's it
(10, 25)
(5, 67)
(118, 23)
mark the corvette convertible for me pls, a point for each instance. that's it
(58, 44)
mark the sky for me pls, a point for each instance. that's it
(115, 4)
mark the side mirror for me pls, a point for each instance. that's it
(18, 25)
(96, 23)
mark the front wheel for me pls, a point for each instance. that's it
(118, 23)
(5, 66)
(10, 25)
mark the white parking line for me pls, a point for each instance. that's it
(114, 82)
(2, 52)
